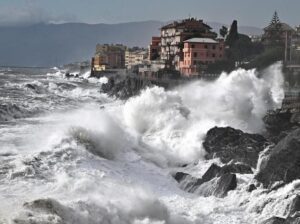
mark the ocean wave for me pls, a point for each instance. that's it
(10, 111)
(175, 122)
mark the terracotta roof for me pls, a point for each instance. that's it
(201, 40)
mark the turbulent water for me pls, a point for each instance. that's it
(69, 154)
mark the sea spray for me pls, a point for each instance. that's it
(174, 122)
(111, 163)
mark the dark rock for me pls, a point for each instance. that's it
(294, 206)
(236, 168)
(187, 182)
(230, 144)
(279, 124)
(218, 186)
(191, 184)
(212, 172)
(125, 88)
(30, 86)
(281, 163)
(68, 75)
(251, 188)
(274, 220)
(293, 220)
(179, 176)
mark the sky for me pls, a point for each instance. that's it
(247, 12)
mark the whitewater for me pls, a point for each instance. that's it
(70, 154)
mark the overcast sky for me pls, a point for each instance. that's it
(247, 12)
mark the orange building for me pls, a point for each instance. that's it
(198, 53)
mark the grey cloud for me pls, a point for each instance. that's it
(31, 14)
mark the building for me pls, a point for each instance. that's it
(108, 56)
(154, 48)
(198, 53)
(135, 57)
(173, 35)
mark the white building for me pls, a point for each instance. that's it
(133, 58)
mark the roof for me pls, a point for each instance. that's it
(201, 40)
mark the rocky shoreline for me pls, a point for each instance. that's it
(273, 157)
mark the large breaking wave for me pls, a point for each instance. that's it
(111, 163)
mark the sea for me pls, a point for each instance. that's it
(71, 154)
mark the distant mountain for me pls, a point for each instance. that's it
(57, 44)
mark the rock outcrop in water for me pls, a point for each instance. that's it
(279, 124)
(216, 181)
(230, 144)
(125, 88)
(281, 163)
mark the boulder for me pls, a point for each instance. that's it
(230, 144)
(218, 186)
(179, 176)
(236, 168)
(215, 181)
(279, 124)
(187, 182)
(274, 220)
(281, 163)
(294, 206)
(212, 172)
(251, 188)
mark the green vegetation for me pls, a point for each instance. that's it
(246, 53)
(268, 57)
(220, 66)
(223, 31)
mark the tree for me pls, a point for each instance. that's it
(223, 31)
(233, 35)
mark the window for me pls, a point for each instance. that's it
(214, 47)
(192, 46)
(195, 55)
(213, 55)
(205, 46)
(195, 62)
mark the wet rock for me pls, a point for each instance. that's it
(30, 86)
(280, 124)
(230, 144)
(187, 182)
(125, 88)
(236, 168)
(212, 172)
(281, 163)
(179, 176)
(274, 220)
(251, 188)
(213, 182)
(218, 186)
(294, 206)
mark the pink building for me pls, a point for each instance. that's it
(198, 53)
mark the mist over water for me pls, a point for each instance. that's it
(93, 159)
